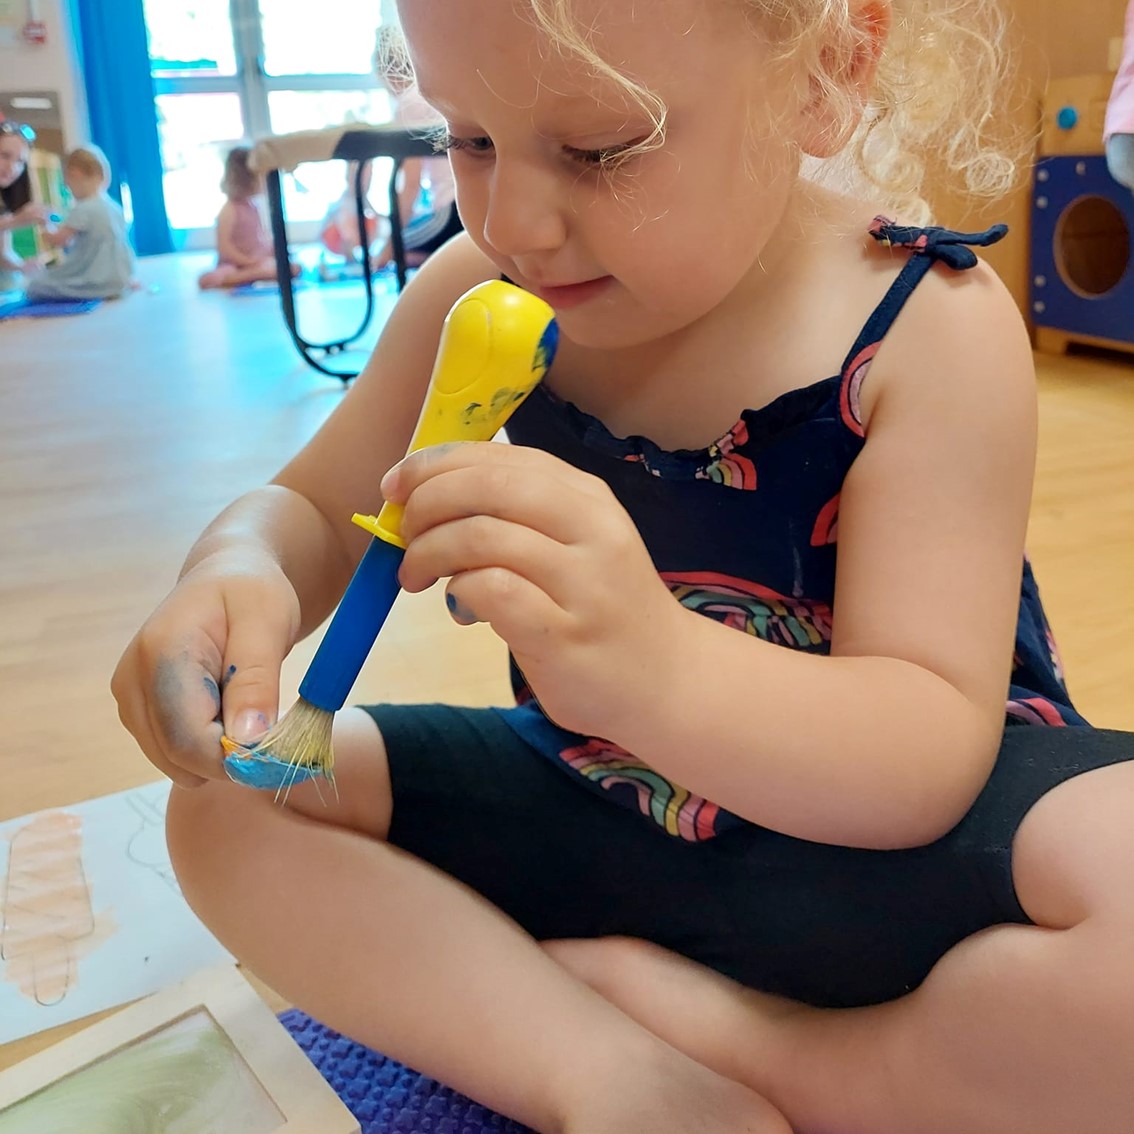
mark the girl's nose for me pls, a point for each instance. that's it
(524, 211)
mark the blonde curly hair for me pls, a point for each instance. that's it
(937, 100)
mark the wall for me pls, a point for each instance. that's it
(51, 67)
(1057, 38)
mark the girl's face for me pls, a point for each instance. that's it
(13, 158)
(627, 255)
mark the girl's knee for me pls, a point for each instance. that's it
(204, 828)
(1073, 856)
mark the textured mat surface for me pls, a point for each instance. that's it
(386, 1097)
(27, 309)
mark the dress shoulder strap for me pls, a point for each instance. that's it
(928, 246)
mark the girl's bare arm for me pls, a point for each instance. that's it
(302, 519)
(886, 742)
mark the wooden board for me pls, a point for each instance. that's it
(1049, 340)
(1088, 96)
(251, 1077)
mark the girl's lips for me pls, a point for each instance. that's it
(572, 295)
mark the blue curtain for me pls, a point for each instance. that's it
(114, 52)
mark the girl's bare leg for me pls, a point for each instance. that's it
(404, 959)
(229, 275)
(1018, 1030)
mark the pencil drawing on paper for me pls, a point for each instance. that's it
(147, 845)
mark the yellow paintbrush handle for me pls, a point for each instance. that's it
(496, 344)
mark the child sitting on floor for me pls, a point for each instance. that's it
(244, 249)
(98, 262)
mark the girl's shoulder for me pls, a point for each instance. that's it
(950, 328)
(913, 301)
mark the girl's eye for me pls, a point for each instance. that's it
(447, 143)
(479, 146)
(604, 155)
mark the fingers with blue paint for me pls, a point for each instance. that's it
(547, 556)
(207, 661)
(461, 613)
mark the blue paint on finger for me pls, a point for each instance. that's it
(169, 699)
(459, 611)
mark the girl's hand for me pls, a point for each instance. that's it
(210, 653)
(547, 556)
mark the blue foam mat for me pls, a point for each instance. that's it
(386, 1097)
(32, 309)
(261, 287)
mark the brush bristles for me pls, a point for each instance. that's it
(301, 738)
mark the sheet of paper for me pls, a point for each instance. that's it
(91, 915)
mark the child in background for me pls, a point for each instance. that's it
(17, 209)
(426, 192)
(787, 701)
(1118, 130)
(339, 231)
(98, 262)
(244, 249)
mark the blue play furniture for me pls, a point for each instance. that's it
(1082, 286)
(1082, 245)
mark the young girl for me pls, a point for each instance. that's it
(17, 209)
(98, 262)
(788, 704)
(244, 249)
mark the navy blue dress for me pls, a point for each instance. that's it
(746, 532)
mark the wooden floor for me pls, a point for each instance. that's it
(123, 431)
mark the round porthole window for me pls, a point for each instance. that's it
(1092, 246)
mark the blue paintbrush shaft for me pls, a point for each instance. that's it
(496, 344)
(354, 627)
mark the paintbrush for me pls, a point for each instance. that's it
(496, 345)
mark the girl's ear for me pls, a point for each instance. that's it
(851, 64)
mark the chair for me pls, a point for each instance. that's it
(282, 153)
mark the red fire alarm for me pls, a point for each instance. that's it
(35, 31)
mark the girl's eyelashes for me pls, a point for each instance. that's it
(448, 143)
(604, 155)
(478, 146)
